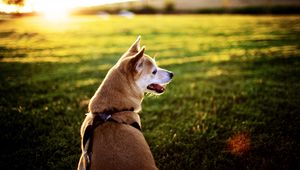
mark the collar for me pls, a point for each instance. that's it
(112, 111)
(124, 117)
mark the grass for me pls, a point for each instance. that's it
(234, 102)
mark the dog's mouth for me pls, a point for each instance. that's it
(156, 87)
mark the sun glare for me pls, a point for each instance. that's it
(53, 9)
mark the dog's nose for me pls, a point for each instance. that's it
(171, 74)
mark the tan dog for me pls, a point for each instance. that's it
(116, 143)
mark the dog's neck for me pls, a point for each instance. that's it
(116, 92)
(127, 117)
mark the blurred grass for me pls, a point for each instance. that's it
(233, 75)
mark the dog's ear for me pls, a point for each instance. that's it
(135, 47)
(136, 62)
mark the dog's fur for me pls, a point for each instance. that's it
(118, 145)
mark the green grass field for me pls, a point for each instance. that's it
(233, 104)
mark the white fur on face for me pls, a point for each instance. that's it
(152, 74)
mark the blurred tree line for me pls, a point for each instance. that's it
(14, 2)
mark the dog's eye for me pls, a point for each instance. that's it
(154, 72)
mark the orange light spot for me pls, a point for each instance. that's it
(239, 144)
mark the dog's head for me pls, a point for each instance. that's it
(147, 76)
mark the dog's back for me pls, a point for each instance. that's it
(120, 147)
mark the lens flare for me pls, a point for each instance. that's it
(239, 144)
(53, 9)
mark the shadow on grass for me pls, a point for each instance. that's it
(257, 97)
(39, 120)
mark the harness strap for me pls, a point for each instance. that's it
(136, 125)
(98, 120)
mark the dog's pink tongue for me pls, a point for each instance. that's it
(158, 88)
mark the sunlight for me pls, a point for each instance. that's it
(13, 8)
(87, 82)
(41, 60)
(54, 9)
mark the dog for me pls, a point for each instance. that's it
(111, 132)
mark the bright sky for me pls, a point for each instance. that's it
(54, 6)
